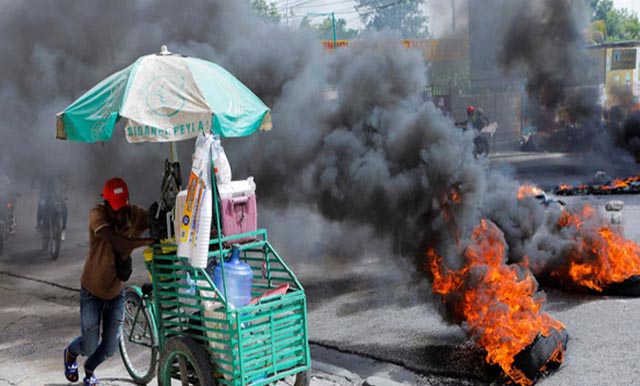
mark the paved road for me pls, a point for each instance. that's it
(39, 315)
(360, 307)
(370, 311)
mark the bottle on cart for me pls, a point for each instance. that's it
(238, 276)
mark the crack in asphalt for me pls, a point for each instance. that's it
(50, 283)
(9, 382)
(6, 327)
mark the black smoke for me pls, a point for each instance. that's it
(544, 39)
(353, 142)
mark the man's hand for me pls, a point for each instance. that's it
(147, 241)
(120, 243)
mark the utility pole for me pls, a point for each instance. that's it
(453, 16)
(333, 23)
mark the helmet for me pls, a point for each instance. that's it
(470, 109)
(116, 193)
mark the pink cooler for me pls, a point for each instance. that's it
(239, 215)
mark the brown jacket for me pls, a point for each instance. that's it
(99, 272)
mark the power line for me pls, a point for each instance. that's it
(327, 4)
(346, 10)
(299, 3)
(343, 11)
(388, 5)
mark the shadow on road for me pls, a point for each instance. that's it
(365, 291)
(462, 361)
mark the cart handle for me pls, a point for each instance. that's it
(239, 200)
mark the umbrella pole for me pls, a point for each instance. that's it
(174, 151)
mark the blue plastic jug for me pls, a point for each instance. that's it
(238, 276)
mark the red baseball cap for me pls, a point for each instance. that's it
(116, 193)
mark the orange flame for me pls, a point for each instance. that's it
(601, 255)
(620, 184)
(496, 300)
(616, 184)
(527, 190)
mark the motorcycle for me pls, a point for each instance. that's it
(481, 143)
(51, 226)
(482, 140)
(7, 220)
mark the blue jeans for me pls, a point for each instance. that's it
(93, 312)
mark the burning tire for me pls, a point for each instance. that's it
(542, 356)
(629, 287)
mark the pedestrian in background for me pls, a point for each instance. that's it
(115, 228)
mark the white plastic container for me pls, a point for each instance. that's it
(240, 188)
(216, 328)
(200, 253)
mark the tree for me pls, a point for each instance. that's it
(600, 9)
(405, 16)
(268, 11)
(324, 30)
(625, 26)
(621, 24)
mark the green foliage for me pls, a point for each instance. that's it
(621, 24)
(405, 16)
(600, 9)
(324, 30)
(268, 11)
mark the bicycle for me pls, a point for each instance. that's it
(51, 229)
(139, 337)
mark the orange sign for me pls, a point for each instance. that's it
(432, 49)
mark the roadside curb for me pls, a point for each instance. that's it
(379, 381)
(335, 370)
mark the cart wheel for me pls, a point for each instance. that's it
(138, 341)
(303, 378)
(183, 359)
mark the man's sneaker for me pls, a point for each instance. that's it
(63, 235)
(70, 369)
(90, 381)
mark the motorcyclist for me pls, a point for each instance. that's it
(468, 123)
(8, 198)
(51, 197)
(477, 121)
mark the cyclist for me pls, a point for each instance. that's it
(115, 228)
(51, 197)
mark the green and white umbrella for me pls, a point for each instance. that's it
(165, 98)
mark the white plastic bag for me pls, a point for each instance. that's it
(195, 227)
(220, 162)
